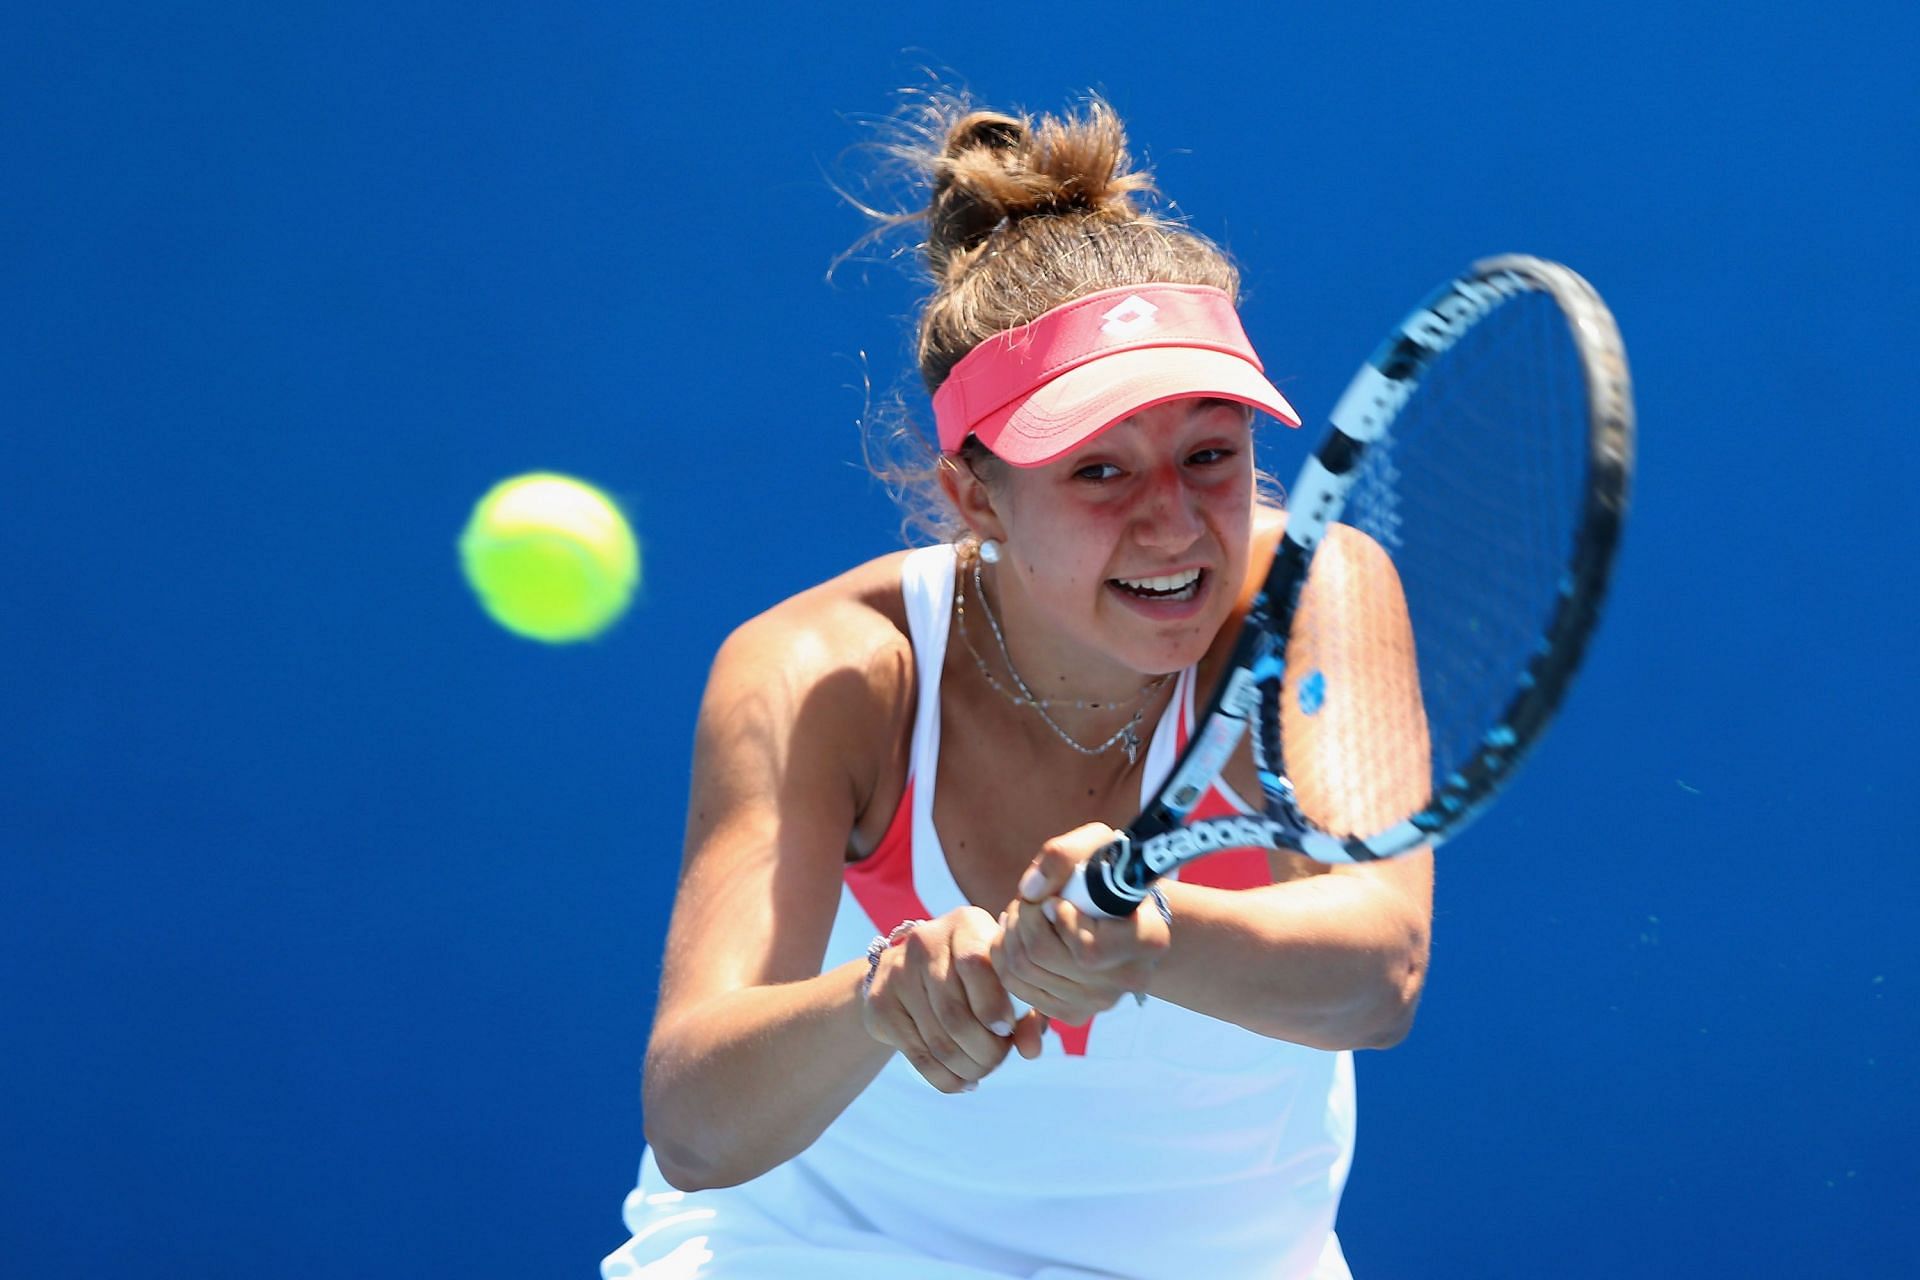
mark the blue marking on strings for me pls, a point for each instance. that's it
(1313, 693)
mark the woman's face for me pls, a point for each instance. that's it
(1135, 545)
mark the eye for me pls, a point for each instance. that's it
(1097, 471)
(1210, 457)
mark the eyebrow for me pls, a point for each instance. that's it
(1221, 402)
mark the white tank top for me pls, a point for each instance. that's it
(1154, 1142)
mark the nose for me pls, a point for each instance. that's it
(1168, 518)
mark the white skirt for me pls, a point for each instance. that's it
(712, 1235)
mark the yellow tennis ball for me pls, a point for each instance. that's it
(551, 557)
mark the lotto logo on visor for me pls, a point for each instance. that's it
(1037, 391)
(1130, 319)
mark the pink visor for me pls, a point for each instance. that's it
(1041, 389)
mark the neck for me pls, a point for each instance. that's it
(1028, 677)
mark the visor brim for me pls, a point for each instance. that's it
(1085, 401)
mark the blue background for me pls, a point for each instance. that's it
(330, 914)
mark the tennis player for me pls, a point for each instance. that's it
(884, 1047)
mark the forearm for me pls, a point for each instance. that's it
(1331, 961)
(747, 1079)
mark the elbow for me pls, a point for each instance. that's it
(1357, 985)
(1389, 1027)
(682, 1171)
(1379, 1018)
(686, 1166)
(1380, 995)
(679, 1164)
(686, 1161)
(694, 1149)
(1394, 994)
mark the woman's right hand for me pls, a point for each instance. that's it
(936, 998)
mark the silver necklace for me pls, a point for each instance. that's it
(986, 672)
(1127, 736)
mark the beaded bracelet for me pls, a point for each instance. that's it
(881, 941)
(1166, 915)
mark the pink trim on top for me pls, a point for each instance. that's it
(882, 882)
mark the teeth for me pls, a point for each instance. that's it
(1174, 582)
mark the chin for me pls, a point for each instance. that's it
(1182, 626)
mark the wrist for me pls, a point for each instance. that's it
(881, 943)
(1159, 901)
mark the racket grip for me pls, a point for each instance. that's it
(1076, 892)
(1092, 890)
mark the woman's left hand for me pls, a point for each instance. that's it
(1065, 963)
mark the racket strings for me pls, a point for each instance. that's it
(1475, 492)
(1352, 726)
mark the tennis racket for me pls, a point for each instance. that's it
(1485, 452)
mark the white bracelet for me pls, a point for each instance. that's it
(876, 948)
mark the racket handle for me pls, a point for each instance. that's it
(1076, 892)
(1093, 890)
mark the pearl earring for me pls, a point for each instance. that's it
(990, 551)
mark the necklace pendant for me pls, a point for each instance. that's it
(1131, 742)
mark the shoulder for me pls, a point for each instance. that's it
(1350, 568)
(1354, 584)
(825, 676)
(1346, 549)
(851, 626)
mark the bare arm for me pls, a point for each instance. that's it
(1334, 959)
(754, 1051)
